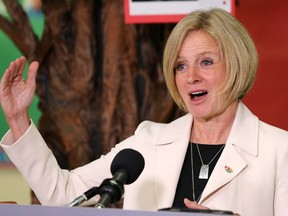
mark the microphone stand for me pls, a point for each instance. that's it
(111, 190)
(84, 197)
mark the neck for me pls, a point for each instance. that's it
(215, 130)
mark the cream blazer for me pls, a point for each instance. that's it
(250, 177)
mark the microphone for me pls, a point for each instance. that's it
(84, 197)
(126, 167)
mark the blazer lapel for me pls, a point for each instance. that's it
(229, 165)
(171, 146)
(243, 137)
(170, 150)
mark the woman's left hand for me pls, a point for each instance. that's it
(193, 205)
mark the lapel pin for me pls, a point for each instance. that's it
(228, 169)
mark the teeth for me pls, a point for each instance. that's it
(196, 93)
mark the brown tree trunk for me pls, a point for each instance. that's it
(98, 77)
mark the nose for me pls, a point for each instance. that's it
(193, 76)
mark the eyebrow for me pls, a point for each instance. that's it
(218, 54)
(210, 52)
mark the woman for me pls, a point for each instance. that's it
(218, 156)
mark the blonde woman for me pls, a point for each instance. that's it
(218, 156)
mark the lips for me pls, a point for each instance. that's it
(197, 95)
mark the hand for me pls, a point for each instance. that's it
(193, 205)
(16, 95)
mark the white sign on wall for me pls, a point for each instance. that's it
(169, 11)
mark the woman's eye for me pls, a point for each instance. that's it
(206, 63)
(180, 67)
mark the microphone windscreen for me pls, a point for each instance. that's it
(129, 160)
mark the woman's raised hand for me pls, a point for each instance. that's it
(16, 95)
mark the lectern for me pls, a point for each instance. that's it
(31, 210)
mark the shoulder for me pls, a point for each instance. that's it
(253, 126)
(155, 129)
(273, 144)
(157, 126)
(274, 137)
(274, 132)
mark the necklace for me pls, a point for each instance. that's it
(193, 183)
(204, 170)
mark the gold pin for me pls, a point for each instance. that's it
(228, 169)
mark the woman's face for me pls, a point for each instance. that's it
(199, 73)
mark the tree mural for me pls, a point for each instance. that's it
(98, 77)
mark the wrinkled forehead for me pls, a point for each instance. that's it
(200, 43)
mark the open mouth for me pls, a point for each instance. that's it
(197, 95)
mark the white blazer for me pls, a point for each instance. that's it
(250, 177)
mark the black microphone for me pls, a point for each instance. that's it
(126, 167)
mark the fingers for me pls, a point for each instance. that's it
(32, 72)
(21, 61)
(14, 70)
(193, 205)
(16, 67)
(7, 77)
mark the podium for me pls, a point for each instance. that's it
(31, 210)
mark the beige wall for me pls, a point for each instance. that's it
(13, 187)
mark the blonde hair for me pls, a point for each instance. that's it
(239, 52)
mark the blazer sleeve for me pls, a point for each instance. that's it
(51, 184)
(281, 188)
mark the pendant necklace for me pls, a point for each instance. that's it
(193, 183)
(204, 170)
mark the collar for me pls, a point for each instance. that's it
(244, 131)
(177, 130)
